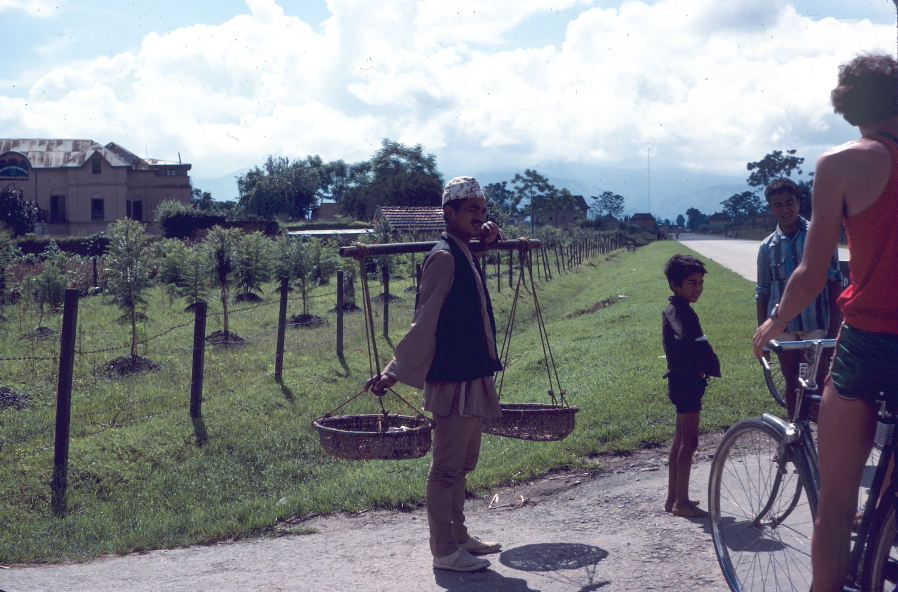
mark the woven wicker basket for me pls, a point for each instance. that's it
(366, 437)
(532, 421)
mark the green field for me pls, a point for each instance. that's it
(139, 480)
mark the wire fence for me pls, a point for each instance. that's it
(120, 376)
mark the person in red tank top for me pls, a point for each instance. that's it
(855, 183)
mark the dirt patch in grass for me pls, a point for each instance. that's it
(224, 339)
(393, 298)
(126, 366)
(595, 307)
(10, 398)
(40, 333)
(306, 320)
(248, 297)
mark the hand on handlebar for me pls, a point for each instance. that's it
(768, 330)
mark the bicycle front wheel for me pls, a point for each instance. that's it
(773, 377)
(881, 556)
(762, 510)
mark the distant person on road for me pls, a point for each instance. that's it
(855, 185)
(778, 257)
(450, 352)
(690, 360)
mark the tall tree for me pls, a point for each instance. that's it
(397, 175)
(502, 201)
(280, 189)
(553, 202)
(16, 213)
(532, 187)
(742, 206)
(201, 200)
(680, 220)
(776, 164)
(695, 219)
(608, 204)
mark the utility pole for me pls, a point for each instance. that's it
(648, 168)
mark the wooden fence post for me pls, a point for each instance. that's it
(340, 314)
(60, 482)
(510, 268)
(196, 380)
(386, 283)
(282, 329)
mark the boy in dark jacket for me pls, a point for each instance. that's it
(690, 360)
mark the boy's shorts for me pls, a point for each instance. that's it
(685, 391)
(865, 365)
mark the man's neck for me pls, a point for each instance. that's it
(889, 125)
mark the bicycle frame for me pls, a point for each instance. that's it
(866, 528)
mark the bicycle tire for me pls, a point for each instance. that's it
(773, 377)
(880, 571)
(761, 517)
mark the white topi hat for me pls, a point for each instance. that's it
(462, 188)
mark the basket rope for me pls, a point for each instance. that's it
(548, 356)
(373, 358)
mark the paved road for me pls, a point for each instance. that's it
(736, 254)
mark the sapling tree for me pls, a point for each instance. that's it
(252, 263)
(221, 246)
(127, 270)
(184, 271)
(295, 260)
(47, 288)
(6, 260)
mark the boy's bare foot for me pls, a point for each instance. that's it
(668, 505)
(688, 510)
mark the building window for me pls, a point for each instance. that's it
(135, 209)
(97, 210)
(57, 208)
(96, 169)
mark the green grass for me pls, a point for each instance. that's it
(139, 481)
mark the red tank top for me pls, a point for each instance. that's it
(871, 301)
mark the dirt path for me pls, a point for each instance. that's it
(565, 533)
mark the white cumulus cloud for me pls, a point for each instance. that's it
(707, 85)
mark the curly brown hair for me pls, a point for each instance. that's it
(867, 89)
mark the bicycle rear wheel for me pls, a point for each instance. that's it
(761, 510)
(881, 556)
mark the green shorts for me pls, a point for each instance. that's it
(865, 366)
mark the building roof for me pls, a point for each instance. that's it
(642, 217)
(420, 219)
(51, 154)
(720, 217)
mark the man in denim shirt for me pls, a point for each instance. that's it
(779, 255)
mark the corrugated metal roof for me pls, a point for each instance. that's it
(47, 154)
(421, 219)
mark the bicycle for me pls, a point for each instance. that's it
(763, 492)
(763, 497)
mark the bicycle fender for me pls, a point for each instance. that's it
(775, 422)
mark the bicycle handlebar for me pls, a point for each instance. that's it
(781, 346)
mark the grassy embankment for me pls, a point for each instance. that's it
(147, 485)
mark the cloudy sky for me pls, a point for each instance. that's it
(587, 91)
